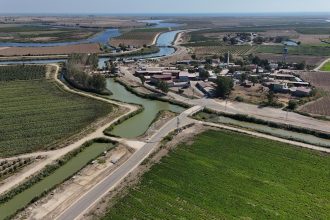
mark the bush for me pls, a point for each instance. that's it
(293, 104)
(239, 99)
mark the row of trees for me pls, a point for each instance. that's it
(78, 73)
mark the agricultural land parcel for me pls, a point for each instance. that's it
(37, 114)
(225, 175)
(320, 80)
(137, 37)
(57, 50)
(209, 42)
(25, 33)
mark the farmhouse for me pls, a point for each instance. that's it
(301, 91)
(164, 77)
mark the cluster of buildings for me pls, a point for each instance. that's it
(283, 82)
(171, 75)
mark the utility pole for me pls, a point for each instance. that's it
(177, 123)
(226, 106)
(287, 114)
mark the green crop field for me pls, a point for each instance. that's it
(225, 175)
(36, 114)
(326, 67)
(137, 37)
(299, 50)
(27, 33)
(235, 49)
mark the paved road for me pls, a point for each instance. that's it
(267, 113)
(103, 187)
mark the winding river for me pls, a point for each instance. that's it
(102, 38)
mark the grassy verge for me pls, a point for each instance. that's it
(326, 67)
(225, 175)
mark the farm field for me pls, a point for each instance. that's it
(35, 51)
(225, 175)
(318, 79)
(236, 50)
(41, 34)
(299, 50)
(137, 37)
(37, 114)
(319, 107)
(9, 167)
(326, 67)
(309, 60)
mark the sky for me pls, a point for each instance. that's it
(161, 6)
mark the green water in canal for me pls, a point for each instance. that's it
(70, 168)
(138, 124)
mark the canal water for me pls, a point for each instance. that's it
(164, 43)
(160, 24)
(61, 174)
(140, 123)
(102, 38)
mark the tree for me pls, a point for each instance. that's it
(243, 77)
(224, 85)
(204, 74)
(93, 61)
(193, 56)
(163, 86)
(258, 40)
(181, 67)
(143, 79)
(300, 66)
(271, 98)
(233, 41)
(293, 104)
(254, 80)
(97, 82)
(113, 67)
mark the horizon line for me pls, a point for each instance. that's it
(165, 13)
